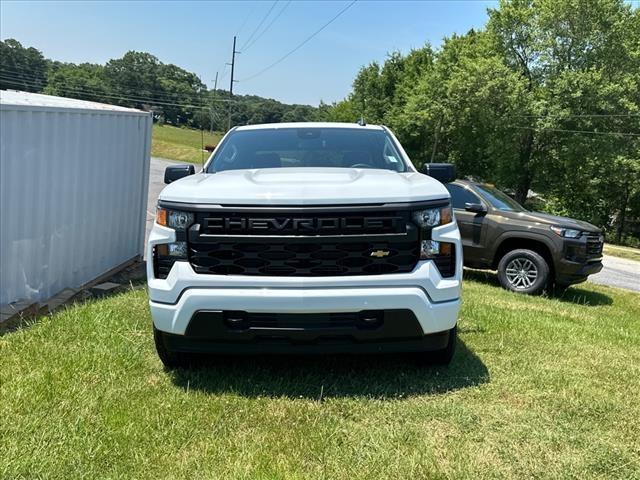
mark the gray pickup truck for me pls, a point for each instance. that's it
(531, 251)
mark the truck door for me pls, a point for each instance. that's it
(470, 224)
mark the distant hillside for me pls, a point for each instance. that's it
(141, 80)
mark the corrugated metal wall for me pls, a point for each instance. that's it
(73, 196)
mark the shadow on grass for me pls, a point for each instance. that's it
(577, 295)
(582, 296)
(317, 377)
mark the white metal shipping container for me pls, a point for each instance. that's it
(73, 192)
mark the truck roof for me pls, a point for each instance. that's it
(275, 126)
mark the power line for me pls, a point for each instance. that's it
(267, 27)
(585, 115)
(224, 65)
(246, 19)
(156, 97)
(301, 44)
(31, 76)
(97, 93)
(102, 95)
(35, 81)
(259, 25)
(591, 132)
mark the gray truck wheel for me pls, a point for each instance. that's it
(523, 271)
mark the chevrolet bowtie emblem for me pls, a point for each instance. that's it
(380, 253)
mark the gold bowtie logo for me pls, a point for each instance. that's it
(380, 253)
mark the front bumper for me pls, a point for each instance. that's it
(432, 317)
(365, 332)
(569, 273)
(581, 257)
(434, 301)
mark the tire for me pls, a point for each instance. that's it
(169, 358)
(523, 271)
(444, 356)
(439, 357)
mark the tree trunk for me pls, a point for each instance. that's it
(623, 214)
(525, 176)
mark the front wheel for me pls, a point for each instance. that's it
(523, 271)
(444, 356)
(439, 357)
(169, 358)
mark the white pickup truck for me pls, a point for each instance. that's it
(305, 238)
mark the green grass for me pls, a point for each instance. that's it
(622, 252)
(183, 144)
(539, 387)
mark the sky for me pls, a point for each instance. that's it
(198, 37)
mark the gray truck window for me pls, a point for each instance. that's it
(500, 200)
(460, 196)
(307, 147)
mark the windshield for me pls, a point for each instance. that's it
(307, 147)
(500, 200)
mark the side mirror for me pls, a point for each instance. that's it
(176, 172)
(443, 172)
(475, 208)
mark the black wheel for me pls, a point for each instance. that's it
(444, 356)
(523, 271)
(169, 358)
(439, 357)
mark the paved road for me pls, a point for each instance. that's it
(156, 184)
(617, 272)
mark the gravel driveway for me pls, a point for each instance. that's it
(617, 272)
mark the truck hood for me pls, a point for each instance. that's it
(304, 186)
(565, 222)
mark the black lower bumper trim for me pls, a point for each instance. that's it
(369, 331)
(570, 273)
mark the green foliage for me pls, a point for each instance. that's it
(21, 68)
(85, 80)
(141, 80)
(525, 103)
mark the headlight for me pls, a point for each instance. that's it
(175, 219)
(566, 232)
(433, 217)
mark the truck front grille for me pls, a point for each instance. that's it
(336, 245)
(594, 245)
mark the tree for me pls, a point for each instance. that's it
(21, 68)
(545, 97)
(85, 81)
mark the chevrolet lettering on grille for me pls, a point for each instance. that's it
(302, 226)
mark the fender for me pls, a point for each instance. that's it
(519, 234)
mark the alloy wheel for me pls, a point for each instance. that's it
(521, 273)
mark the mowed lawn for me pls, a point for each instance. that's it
(622, 252)
(184, 144)
(539, 387)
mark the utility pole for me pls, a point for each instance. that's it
(213, 97)
(233, 64)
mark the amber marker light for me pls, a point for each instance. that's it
(161, 216)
